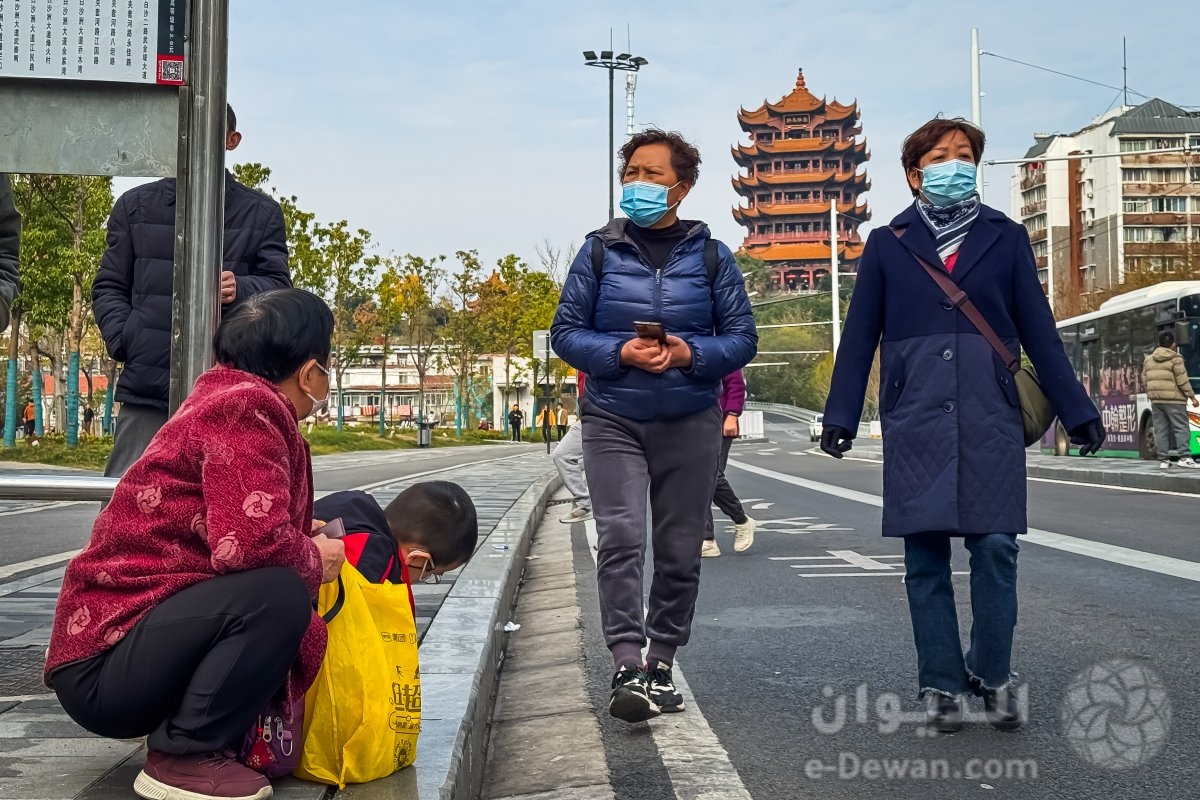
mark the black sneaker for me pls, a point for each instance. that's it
(630, 698)
(662, 689)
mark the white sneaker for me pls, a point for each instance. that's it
(743, 535)
(710, 549)
(578, 514)
(1190, 463)
(1164, 465)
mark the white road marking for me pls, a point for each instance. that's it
(1125, 556)
(681, 738)
(899, 575)
(763, 506)
(34, 563)
(403, 478)
(40, 507)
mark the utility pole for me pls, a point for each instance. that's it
(833, 275)
(625, 63)
(976, 94)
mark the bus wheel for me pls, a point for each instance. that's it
(1062, 444)
(1147, 450)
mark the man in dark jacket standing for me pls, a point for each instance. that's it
(10, 251)
(132, 292)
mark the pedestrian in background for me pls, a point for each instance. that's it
(132, 291)
(568, 459)
(650, 417)
(563, 422)
(545, 423)
(516, 419)
(89, 417)
(954, 450)
(1169, 390)
(29, 418)
(10, 251)
(733, 402)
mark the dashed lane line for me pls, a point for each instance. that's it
(1125, 556)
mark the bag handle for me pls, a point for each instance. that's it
(959, 299)
(337, 604)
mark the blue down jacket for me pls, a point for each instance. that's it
(132, 292)
(954, 452)
(595, 320)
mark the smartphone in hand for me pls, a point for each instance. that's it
(650, 330)
(334, 528)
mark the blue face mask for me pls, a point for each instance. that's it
(645, 203)
(949, 182)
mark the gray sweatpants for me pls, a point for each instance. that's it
(568, 458)
(676, 459)
(135, 427)
(1172, 438)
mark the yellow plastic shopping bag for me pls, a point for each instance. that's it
(363, 712)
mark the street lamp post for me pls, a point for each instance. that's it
(625, 63)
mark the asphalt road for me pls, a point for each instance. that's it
(804, 668)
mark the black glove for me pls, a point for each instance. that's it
(1090, 436)
(835, 440)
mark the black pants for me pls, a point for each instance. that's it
(675, 459)
(724, 496)
(195, 672)
(516, 432)
(562, 431)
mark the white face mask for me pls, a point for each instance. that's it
(319, 406)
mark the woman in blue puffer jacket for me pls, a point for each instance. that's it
(650, 417)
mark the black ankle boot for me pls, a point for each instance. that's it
(943, 714)
(1002, 710)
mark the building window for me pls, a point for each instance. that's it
(1134, 145)
(1135, 175)
(1136, 205)
(1168, 204)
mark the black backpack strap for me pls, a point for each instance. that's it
(597, 257)
(711, 262)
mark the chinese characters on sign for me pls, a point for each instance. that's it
(133, 41)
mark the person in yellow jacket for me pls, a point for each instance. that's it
(545, 422)
(1169, 390)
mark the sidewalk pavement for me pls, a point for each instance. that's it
(45, 756)
(1129, 473)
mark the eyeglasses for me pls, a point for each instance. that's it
(427, 574)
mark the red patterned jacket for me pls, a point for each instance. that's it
(225, 486)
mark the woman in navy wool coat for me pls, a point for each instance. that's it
(954, 452)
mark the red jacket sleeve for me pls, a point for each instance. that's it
(247, 479)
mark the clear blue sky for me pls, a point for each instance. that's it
(457, 125)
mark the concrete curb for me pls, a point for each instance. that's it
(462, 650)
(1182, 483)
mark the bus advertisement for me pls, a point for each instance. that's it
(1107, 348)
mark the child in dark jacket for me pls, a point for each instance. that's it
(430, 527)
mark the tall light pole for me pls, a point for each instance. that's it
(625, 63)
(976, 94)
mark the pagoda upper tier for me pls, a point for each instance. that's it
(803, 156)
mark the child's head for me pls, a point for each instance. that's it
(435, 527)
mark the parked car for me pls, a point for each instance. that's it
(815, 428)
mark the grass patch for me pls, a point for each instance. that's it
(92, 452)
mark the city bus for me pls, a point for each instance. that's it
(1107, 348)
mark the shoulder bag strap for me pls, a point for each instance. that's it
(960, 300)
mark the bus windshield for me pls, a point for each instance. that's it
(1189, 308)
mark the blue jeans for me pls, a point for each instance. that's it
(941, 666)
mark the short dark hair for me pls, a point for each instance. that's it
(230, 119)
(1166, 339)
(926, 137)
(685, 158)
(438, 516)
(273, 334)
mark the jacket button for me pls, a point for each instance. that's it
(1004, 381)
(948, 407)
(946, 304)
(896, 383)
(947, 354)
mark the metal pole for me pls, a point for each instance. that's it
(975, 96)
(200, 198)
(833, 275)
(547, 396)
(612, 166)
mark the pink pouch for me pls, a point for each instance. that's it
(273, 744)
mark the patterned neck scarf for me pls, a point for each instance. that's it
(949, 224)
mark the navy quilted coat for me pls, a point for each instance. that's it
(132, 291)
(595, 320)
(954, 453)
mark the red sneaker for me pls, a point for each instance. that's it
(210, 776)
